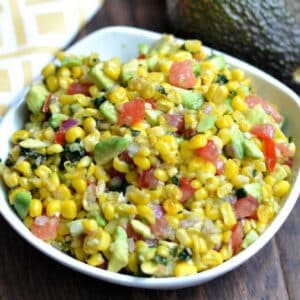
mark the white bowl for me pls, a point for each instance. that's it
(123, 42)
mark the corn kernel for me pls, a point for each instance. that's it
(68, 209)
(48, 70)
(112, 68)
(120, 165)
(11, 179)
(73, 134)
(198, 141)
(133, 262)
(237, 74)
(24, 168)
(231, 169)
(183, 237)
(161, 174)
(201, 194)
(53, 208)
(184, 269)
(212, 258)
(95, 260)
(89, 225)
(142, 162)
(104, 240)
(118, 95)
(36, 208)
(192, 45)
(281, 188)
(227, 214)
(239, 104)
(52, 83)
(265, 213)
(20, 135)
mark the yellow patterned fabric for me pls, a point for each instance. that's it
(31, 31)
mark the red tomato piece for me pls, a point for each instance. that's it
(270, 154)
(47, 102)
(125, 156)
(188, 133)
(45, 228)
(268, 108)
(181, 74)
(152, 102)
(147, 179)
(175, 120)
(246, 207)
(59, 137)
(161, 228)
(186, 188)
(263, 131)
(208, 152)
(132, 234)
(132, 112)
(237, 234)
(284, 150)
(79, 88)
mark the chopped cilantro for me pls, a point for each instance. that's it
(222, 79)
(175, 180)
(240, 193)
(161, 89)
(98, 101)
(185, 254)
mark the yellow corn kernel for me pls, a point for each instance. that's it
(212, 212)
(73, 134)
(53, 208)
(133, 262)
(11, 179)
(237, 74)
(247, 226)
(225, 135)
(265, 213)
(118, 95)
(24, 168)
(239, 104)
(28, 221)
(196, 184)
(146, 212)
(192, 45)
(66, 99)
(43, 172)
(63, 229)
(90, 244)
(52, 83)
(172, 207)
(226, 236)
(199, 244)
(244, 125)
(226, 252)
(224, 121)
(184, 269)
(79, 254)
(108, 211)
(76, 72)
(79, 185)
(95, 260)
(55, 149)
(142, 162)
(239, 181)
(281, 188)
(104, 240)
(68, 209)
(267, 192)
(89, 124)
(212, 258)
(231, 169)
(63, 192)
(183, 237)
(120, 165)
(131, 177)
(20, 135)
(89, 225)
(224, 190)
(181, 55)
(64, 72)
(217, 94)
(201, 194)
(25, 183)
(161, 174)
(227, 214)
(48, 70)
(198, 141)
(212, 184)
(112, 68)
(36, 208)
(269, 179)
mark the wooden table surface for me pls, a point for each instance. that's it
(25, 273)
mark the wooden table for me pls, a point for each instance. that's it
(25, 273)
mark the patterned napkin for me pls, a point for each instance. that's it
(31, 31)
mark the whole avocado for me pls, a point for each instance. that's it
(264, 33)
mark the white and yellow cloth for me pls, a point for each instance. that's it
(31, 31)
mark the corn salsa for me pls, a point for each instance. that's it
(164, 165)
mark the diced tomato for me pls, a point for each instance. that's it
(175, 120)
(208, 152)
(246, 207)
(186, 188)
(132, 112)
(263, 131)
(59, 137)
(219, 164)
(270, 154)
(45, 228)
(125, 157)
(132, 234)
(237, 234)
(79, 88)
(152, 102)
(147, 179)
(189, 132)
(268, 108)
(285, 150)
(161, 228)
(47, 102)
(181, 74)
(289, 162)
(142, 56)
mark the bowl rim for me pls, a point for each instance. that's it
(168, 282)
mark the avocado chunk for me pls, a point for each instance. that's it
(257, 115)
(56, 120)
(129, 70)
(152, 61)
(207, 122)
(250, 238)
(218, 61)
(109, 148)
(36, 97)
(237, 139)
(152, 116)
(252, 150)
(100, 79)
(227, 103)
(119, 251)
(190, 99)
(109, 112)
(144, 48)
(70, 62)
(32, 144)
(22, 202)
(279, 172)
(141, 228)
(254, 189)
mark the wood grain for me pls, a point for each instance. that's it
(25, 273)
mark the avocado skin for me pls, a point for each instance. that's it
(264, 33)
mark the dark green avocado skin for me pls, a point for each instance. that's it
(266, 33)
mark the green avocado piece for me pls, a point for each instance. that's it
(56, 120)
(119, 251)
(144, 48)
(129, 69)
(218, 61)
(109, 112)
(250, 238)
(152, 61)
(71, 62)
(254, 189)
(279, 172)
(22, 202)
(36, 97)
(207, 122)
(190, 99)
(152, 116)
(257, 115)
(107, 149)
(251, 149)
(141, 229)
(100, 79)
(196, 68)
(227, 103)
(237, 139)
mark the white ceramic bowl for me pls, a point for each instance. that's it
(123, 42)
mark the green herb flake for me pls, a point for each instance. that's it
(161, 90)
